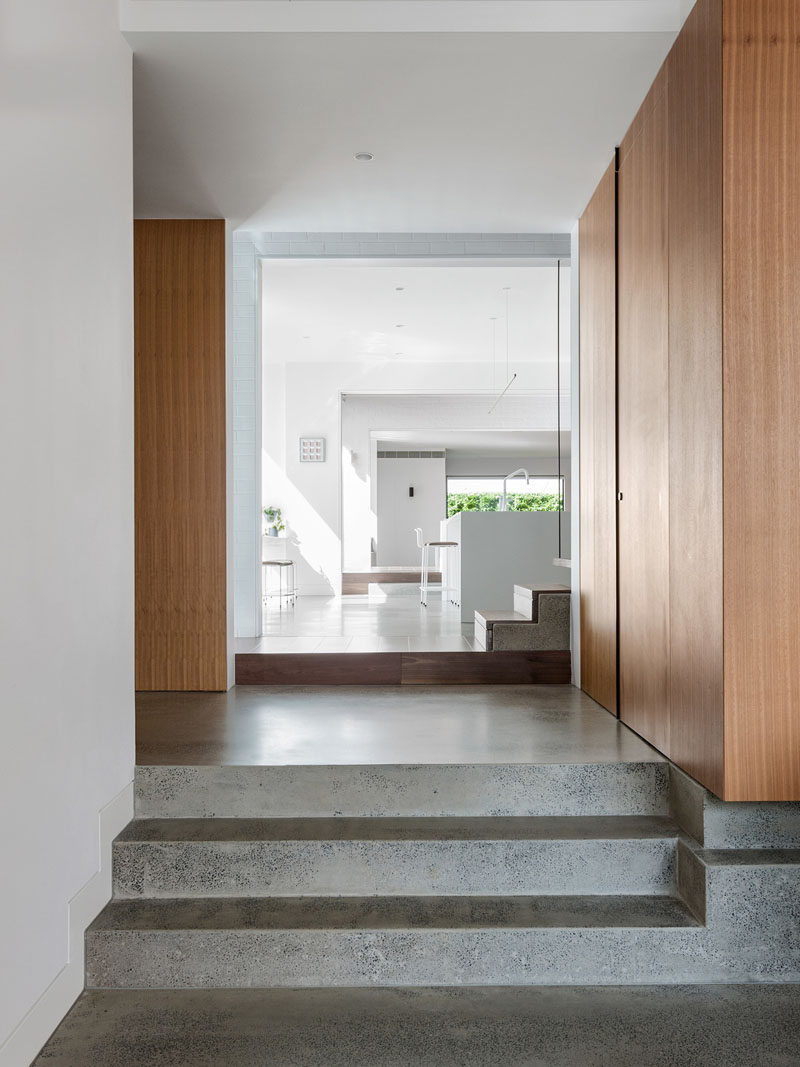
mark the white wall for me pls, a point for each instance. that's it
(66, 457)
(400, 514)
(304, 398)
(575, 455)
(365, 416)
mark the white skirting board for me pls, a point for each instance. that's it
(27, 1039)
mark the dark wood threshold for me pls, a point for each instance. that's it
(403, 668)
(354, 583)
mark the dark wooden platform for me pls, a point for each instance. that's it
(403, 668)
(354, 583)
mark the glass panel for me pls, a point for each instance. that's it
(484, 494)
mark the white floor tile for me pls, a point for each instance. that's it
(362, 624)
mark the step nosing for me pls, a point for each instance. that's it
(655, 760)
(397, 829)
(391, 913)
(750, 857)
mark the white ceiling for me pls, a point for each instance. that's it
(530, 444)
(403, 16)
(470, 132)
(348, 312)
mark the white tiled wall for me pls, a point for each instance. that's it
(412, 244)
(248, 248)
(246, 438)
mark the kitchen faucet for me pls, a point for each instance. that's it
(504, 497)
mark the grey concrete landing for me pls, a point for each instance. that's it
(678, 1026)
(257, 725)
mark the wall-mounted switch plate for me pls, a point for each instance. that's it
(312, 449)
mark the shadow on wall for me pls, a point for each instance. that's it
(359, 518)
(311, 542)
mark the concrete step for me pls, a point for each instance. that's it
(390, 856)
(526, 597)
(484, 621)
(611, 788)
(490, 940)
(745, 888)
(730, 824)
(539, 621)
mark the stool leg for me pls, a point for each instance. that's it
(423, 589)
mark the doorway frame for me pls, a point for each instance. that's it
(249, 250)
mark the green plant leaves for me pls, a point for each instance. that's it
(457, 502)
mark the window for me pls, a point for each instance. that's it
(484, 493)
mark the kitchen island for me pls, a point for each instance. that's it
(498, 549)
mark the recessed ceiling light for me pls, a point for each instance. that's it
(363, 157)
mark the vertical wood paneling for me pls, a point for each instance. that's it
(643, 414)
(179, 323)
(761, 384)
(695, 396)
(598, 414)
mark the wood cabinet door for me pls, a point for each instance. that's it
(695, 387)
(598, 433)
(643, 422)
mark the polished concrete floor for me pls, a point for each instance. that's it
(398, 623)
(276, 725)
(644, 1026)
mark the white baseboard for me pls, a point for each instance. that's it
(26, 1040)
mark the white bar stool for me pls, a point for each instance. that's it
(285, 566)
(429, 550)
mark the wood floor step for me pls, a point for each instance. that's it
(403, 668)
(356, 583)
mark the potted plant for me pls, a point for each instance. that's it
(275, 523)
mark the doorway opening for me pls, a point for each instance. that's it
(397, 396)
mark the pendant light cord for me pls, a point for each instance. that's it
(494, 353)
(508, 296)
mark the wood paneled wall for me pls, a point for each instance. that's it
(761, 314)
(708, 403)
(179, 323)
(643, 422)
(695, 396)
(598, 453)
